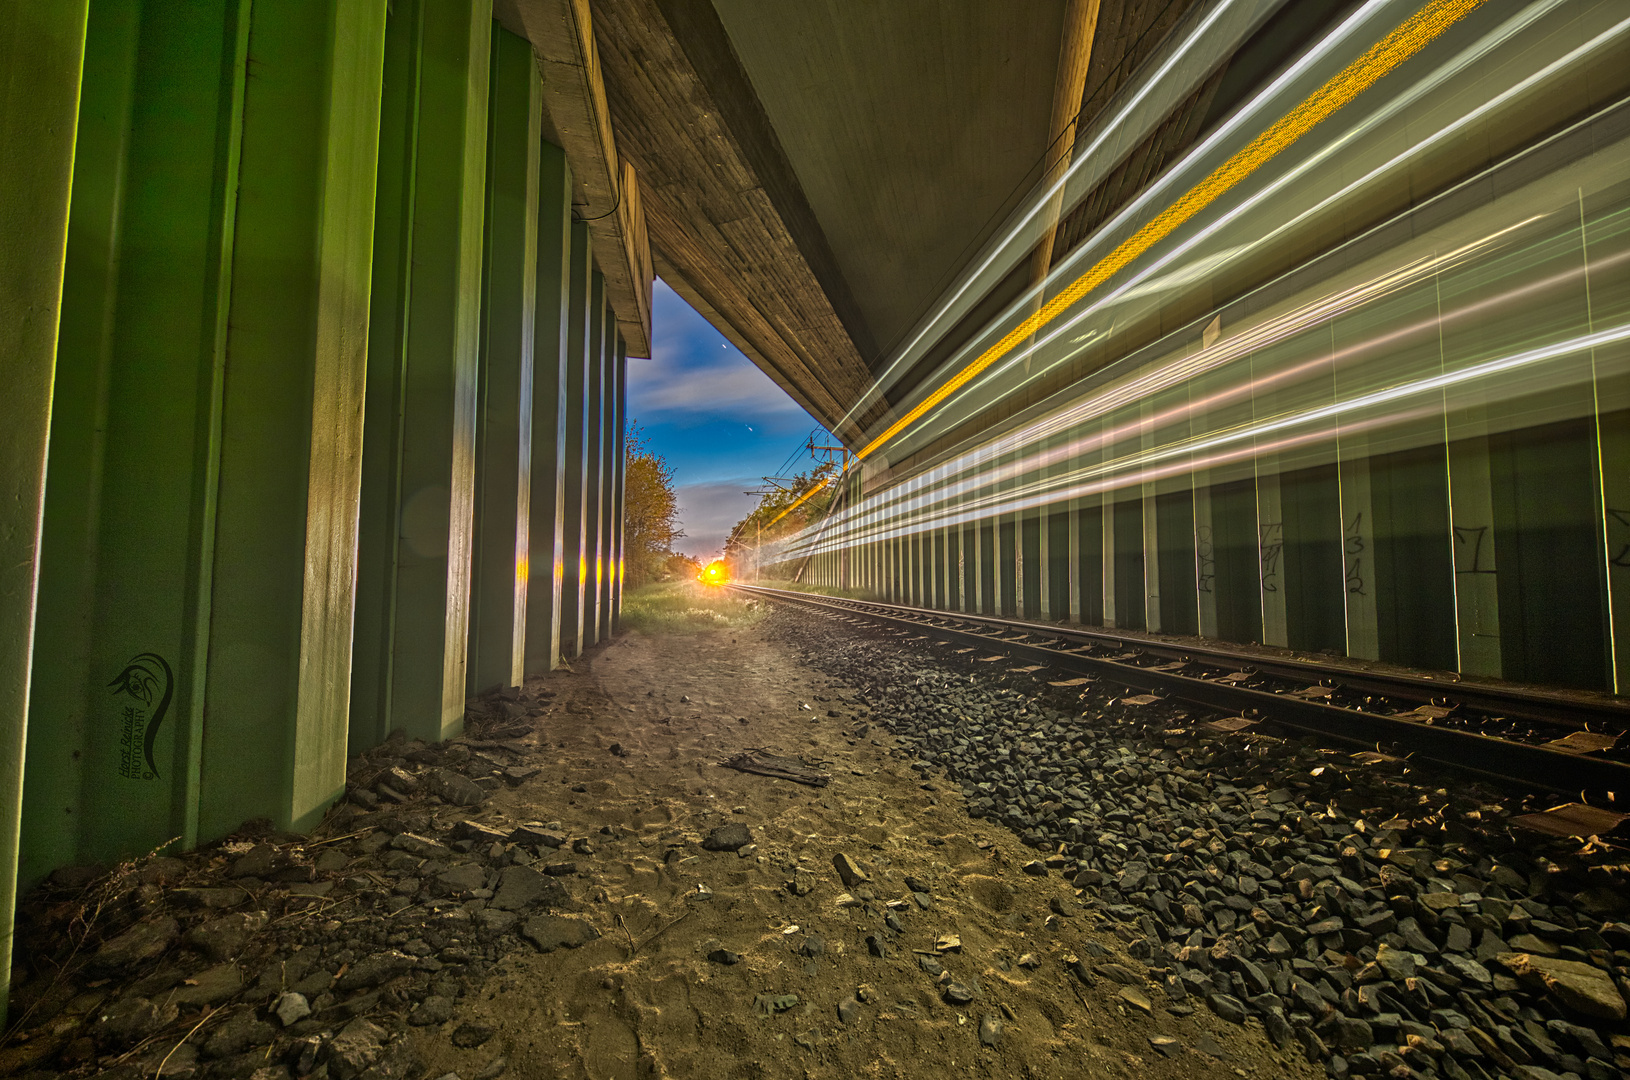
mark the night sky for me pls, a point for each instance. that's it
(719, 420)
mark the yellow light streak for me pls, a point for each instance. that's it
(1414, 34)
(800, 501)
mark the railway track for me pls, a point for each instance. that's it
(1513, 734)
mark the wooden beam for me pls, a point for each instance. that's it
(606, 191)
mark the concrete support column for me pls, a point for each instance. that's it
(608, 474)
(423, 352)
(545, 560)
(503, 457)
(42, 48)
(574, 446)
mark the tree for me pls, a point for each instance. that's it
(779, 513)
(650, 512)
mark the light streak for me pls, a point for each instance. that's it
(1405, 41)
(1209, 450)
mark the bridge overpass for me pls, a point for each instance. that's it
(1277, 321)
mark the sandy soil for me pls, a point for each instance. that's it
(644, 1000)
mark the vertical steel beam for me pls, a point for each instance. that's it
(1607, 297)
(423, 350)
(42, 49)
(620, 558)
(285, 558)
(608, 471)
(131, 499)
(547, 506)
(594, 431)
(575, 445)
(503, 465)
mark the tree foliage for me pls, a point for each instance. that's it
(650, 512)
(772, 520)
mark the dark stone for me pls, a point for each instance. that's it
(226, 937)
(454, 788)
(724, 956)
(955, 993)
(990, 1029)
(849, 1011)
(376, 969)
(469, 1035)
(814, 945)
(551, 932)
(521, 887)
(731, 837)
(142, 942)
(1228, 1007)
(434, 1009)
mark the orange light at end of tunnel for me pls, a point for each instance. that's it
(716, 573)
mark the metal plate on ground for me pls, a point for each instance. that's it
(1575, 819)
(1071, 682)
(1583, 742)
(1228, 725)
(1141, 699)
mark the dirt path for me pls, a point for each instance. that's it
(629, 757)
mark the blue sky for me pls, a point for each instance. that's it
(719, 420)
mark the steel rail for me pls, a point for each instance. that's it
(1503, 759)
(1535, 706)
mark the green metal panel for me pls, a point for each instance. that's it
(1314, 572)
(131, 517)
(608, 473)
(42, 47)
(419, 462)
(1412, 572)
(594, 460)
(284, 561)
(1030, 564)
(503, 490)
(574, 403)
(1174, 527)
(1126, 519)
(1090, 574)
(620, 471)
(548, 504)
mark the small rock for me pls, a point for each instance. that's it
(724, 956)
(212, 986)
(1136, 998)
(990, 1029)
(849, 870)
(1166, 1045)
(617, 750)
(814, 945)
(291, 1008)
(1228, 1007)
(916, 884)
(849, 1011)
(226, 937)
(468, 1035)
(1583, 988)
(551, 932)
(536, 836)
(1035, 868)
(770, 1004)
(259, 862)
(434, 1009)
(454, 788)
(728, 837)
(373, 970)
(521, 887)
(142, 942)
(131, 1019)
(875, 946)
(955, 993)
(802, 883)
(581, 846)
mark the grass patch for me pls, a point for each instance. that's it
(684, 607)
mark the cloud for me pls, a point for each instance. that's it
(699, 388)
(709, 511)
(694, 373)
